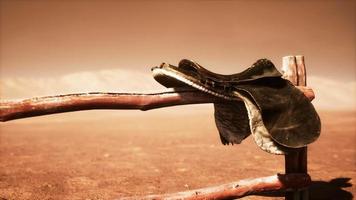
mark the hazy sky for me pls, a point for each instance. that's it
(54, 46)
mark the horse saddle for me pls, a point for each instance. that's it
(258, 102)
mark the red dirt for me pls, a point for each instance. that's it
(134, 153)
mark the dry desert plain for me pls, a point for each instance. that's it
(112, 154)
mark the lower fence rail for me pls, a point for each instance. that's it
(234, 190)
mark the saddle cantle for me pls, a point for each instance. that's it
(195, 72)
(261, 69)
(277, 114)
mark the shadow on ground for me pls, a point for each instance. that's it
(322, 190)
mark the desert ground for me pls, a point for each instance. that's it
(113, 154)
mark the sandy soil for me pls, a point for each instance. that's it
(155, 152)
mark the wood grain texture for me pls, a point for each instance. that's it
(10, 110)
(237, 189)
(289, 69)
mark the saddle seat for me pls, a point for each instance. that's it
(261, 67)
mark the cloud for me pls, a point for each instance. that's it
(330, 94)
(333, 94)
(117, 80)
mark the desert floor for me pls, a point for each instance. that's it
(129, 153)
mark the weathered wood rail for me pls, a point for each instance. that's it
(238, 189)
(11, 110)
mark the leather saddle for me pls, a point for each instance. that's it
(277, 114)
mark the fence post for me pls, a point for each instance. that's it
(296, 161)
